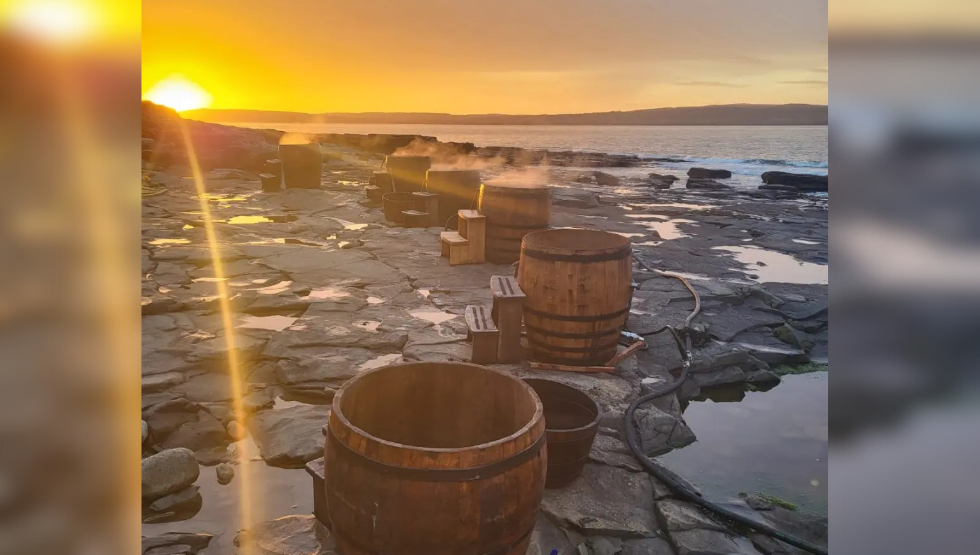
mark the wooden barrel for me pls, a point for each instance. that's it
(407, 172)
(571, 420)
(392, 204)
(457, 190)
(512, 212)
(577, 287)
(301, 165)
(434, 459)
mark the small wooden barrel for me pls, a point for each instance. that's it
(407, 172)
(577, 287)
(571, 420)
(512, 212)
(457, 190)
(434, 459)
(394, 203)
(301, 165)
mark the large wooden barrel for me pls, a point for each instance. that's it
(457, 190)
(434, 459)
(301, 165)
(577, 287)
(512, 212)
(571, 420)
(407, 172)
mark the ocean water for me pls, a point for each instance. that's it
(746, 151)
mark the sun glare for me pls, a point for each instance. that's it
(178, 93)
(54, 21)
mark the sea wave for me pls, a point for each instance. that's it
(761, 162)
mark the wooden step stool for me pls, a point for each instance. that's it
(428, 202)
(508, 310)
(484, 334)
(455, 247)
(374, 194)
(316, 471)
(414, 218)
(473, 227)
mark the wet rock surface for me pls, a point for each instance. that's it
(321, 288)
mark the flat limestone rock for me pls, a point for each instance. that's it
(290, 437)
(289, 535)
(679, 516)
(710, 542)
(605, 501)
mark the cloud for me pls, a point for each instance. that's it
(809, 82)
(710, 84)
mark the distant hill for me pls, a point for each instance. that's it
(728, 114)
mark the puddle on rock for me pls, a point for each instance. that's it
(157, 242)
(378, 362)
(375, 300)
(244, 220)
(432, 315)
(773, 442)
(806, 242)
(274, 323)
(424, 293)
(675, 205)
(629, 235)
(281, 491)
(772, 266)
(325, 293)
(668, 229)
(647, 244)
(208, 279)
(367, 325)
(275, 289)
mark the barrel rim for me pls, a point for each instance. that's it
(398, 196)
(621, 248)
(578, 393)
(335, 410)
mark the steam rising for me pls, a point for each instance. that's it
(446, 156)
(297, 139)
(522, 177)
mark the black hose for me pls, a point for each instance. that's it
(633, 440)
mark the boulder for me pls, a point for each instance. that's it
(801, 181)
(705, 173)
(658, 181)
(225, 473)
(168, 472)
(700, 183)
(606, 180)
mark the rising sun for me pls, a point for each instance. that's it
(178, 93)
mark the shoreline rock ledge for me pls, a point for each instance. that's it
(801, 181)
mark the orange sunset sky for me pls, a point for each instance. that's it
(479, 56)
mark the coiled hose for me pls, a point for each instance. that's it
(634, 442)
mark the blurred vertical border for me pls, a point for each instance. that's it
(905, 233)
(69, 299)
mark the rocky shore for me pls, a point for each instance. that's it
(322, 288)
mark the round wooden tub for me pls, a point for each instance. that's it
(434, 459)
